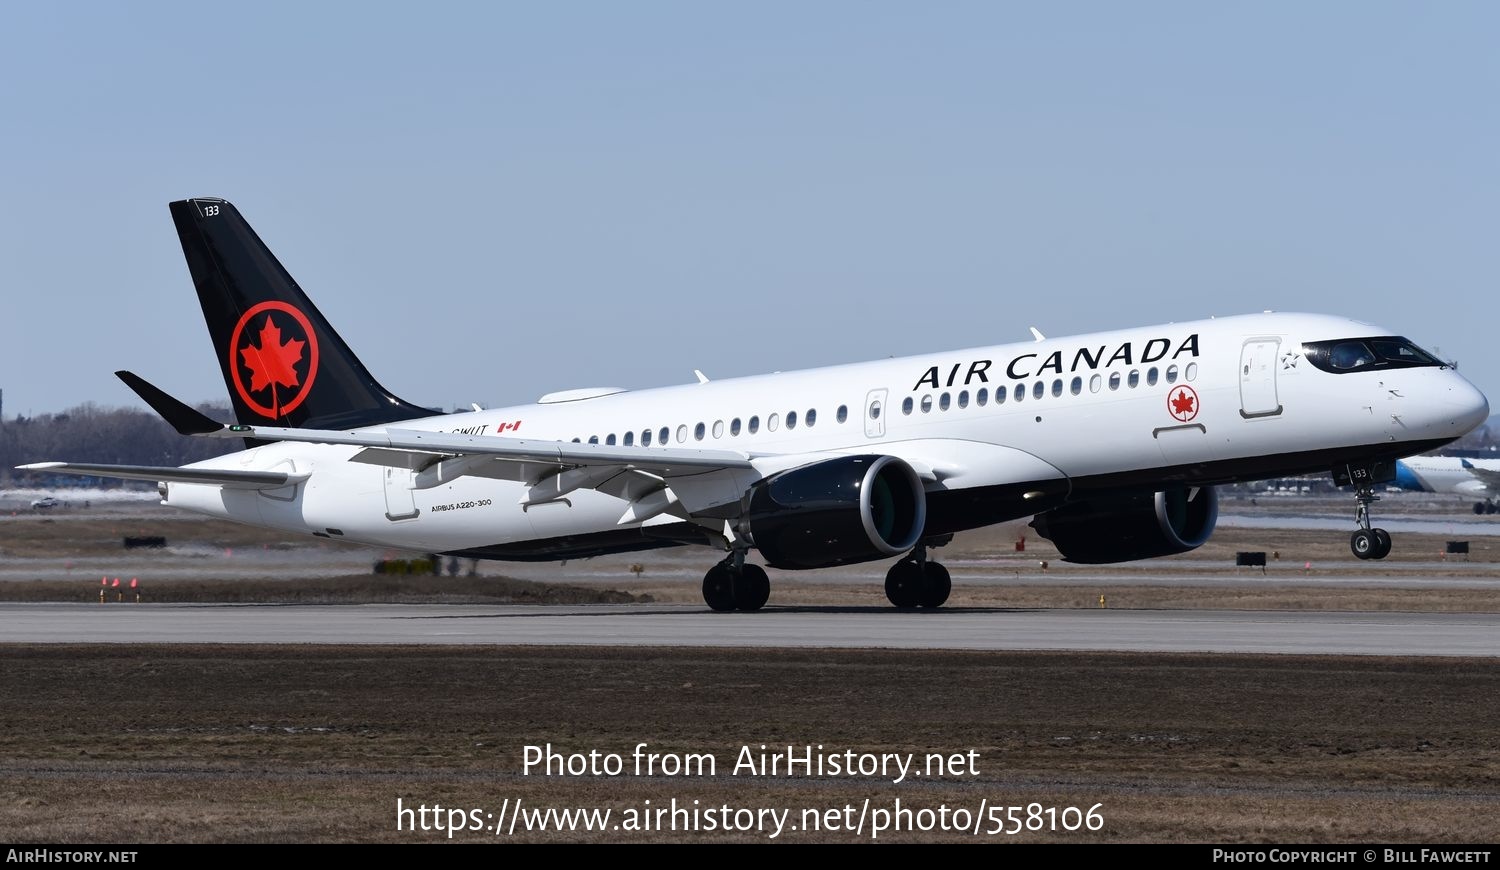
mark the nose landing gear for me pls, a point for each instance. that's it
(1366, 542)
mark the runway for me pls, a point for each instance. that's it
(1220, 631)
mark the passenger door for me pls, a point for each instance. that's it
(1258, 378)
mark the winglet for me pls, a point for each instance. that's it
(1036, 334)
(185, 420)
(702, 378)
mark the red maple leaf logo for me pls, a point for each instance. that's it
(273, 361)
(1182, 404)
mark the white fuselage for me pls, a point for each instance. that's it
(1111, 412)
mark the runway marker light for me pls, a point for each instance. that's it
(119, 593)
(135, 587)
(1101, 600)
(103, 585)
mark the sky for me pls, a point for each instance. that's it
(493, 201)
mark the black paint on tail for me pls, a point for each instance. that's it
(282, 362)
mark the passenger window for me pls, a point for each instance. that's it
(1038, 389)
(982, 397)
(576, 441)
(662, 436)
(906, 405)
(609, 439)
(999, 396)
(593, 439)
(1057, 387)
(943, 402)
(1151, 376)
(629, 439)
(875, 410)
(698, 431)
(734, 427)
(927, 404)
(843, 413)
(645, 437)
(1018, 392)
(963, 399)
(1191, 372)
(1114, 381)
(1077, 386)
(681, 433)
(1135, 378)
(718, 428)
(773, 422)
(1096, 382)
(754, 425)
(812, 417)
(1172, 374)
(791, 419)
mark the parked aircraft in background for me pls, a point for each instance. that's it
(1471, 477)
(1112, 441)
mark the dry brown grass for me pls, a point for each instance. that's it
(317, 743)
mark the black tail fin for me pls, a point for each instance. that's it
(282, 362)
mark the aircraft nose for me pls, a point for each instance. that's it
(1469, 406)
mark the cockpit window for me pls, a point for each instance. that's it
(1350, 355)
(1359, 354)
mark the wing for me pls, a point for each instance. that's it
(1489, 477)
(231, 479)
(651, 480)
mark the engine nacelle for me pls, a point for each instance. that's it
(839, 511)
(1127, 527)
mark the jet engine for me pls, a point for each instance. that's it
(835, 512)
(1131, 526)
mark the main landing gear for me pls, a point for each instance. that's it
(916, 582)
(1368, 543)
(734, 585)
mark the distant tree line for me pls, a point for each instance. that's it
(89, 433)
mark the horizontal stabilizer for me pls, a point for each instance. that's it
(187, 421)
(229, 478)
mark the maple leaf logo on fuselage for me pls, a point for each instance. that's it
(1182, 404)
(274, 361)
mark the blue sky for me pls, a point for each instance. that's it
(494, 201)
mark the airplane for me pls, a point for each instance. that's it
(1474, 477)
(1112, 442)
